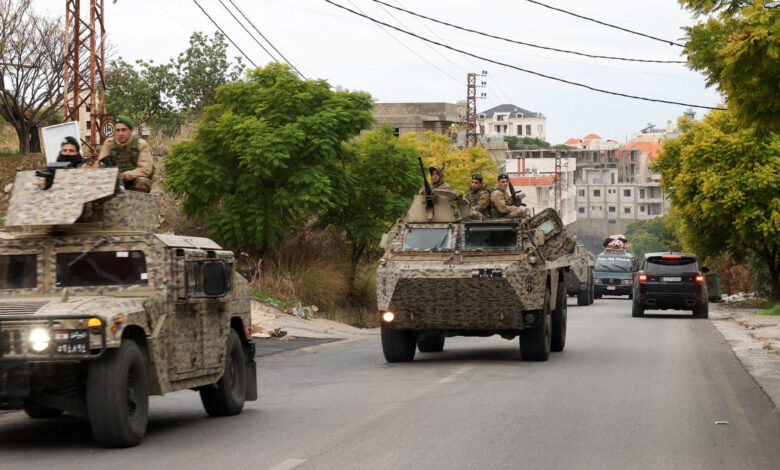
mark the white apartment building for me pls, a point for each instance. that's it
(536, 178)
(508, 119)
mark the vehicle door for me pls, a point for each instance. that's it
(557, 240)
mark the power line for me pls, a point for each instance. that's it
(225, 34)
(550, 77)
(671, 43)
(265, 38)
(247, 31)
(522, 43)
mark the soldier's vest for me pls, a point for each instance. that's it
(127, 160)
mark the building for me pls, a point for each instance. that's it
(536, 178)
(508, 119)
(592, 142)
(419, 117)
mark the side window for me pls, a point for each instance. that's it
(209, 278)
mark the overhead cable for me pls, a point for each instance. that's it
(550, 77)
(523, 43)
(224, 33)
(671, 43)
(265, 38)
(247, 31)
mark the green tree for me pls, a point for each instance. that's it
(267, 156)
(724, 180)
(738, 50)
(459, 165)
(383, 177)
(519, 143)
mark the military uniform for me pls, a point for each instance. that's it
(502, 203)
(479, 203)
(133, 159)
(441, 184)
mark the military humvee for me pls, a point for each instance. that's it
(579, 277)
(443, 276)
(97, 312)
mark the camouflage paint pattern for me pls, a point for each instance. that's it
(581, 261)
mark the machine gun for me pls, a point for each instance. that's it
(517, 199)
(427, 186)
(51, 169)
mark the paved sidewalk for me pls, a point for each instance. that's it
(755, 339)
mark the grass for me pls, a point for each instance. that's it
(754, 303)
(774, 310)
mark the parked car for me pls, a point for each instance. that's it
(670, 281)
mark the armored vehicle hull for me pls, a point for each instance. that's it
(579, 276)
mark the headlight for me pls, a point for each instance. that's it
(597, 281)
(39, 339)
(627, 281)
(388, 317)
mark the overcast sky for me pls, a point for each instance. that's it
(323, 41)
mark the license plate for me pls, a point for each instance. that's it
(610, 287)
(71, 342)
(492, 272)
(671, 279)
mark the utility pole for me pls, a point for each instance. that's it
(84, 41)
(558, 184)
(471, 107)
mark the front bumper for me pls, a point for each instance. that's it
(15, 344)
(611, 289)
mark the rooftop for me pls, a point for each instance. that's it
(514, 111)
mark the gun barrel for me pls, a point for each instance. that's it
(425, 177)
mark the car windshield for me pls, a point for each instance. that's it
(671, 266)
(101, 268)
(18, 272)
(491, 237)
(428, 238)
(613, 264)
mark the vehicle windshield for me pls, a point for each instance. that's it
(101, 268)
(671, 266)
(491, 237)
(429, 238)
(613, 264)
(18, 272)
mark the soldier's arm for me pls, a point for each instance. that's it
(145, 163)
(105, 151)
(498, 201)
(483, 202)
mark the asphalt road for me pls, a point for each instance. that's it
(627, 393)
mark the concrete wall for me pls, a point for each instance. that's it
(418, 117)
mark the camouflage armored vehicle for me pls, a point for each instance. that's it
(442, 276)
(579, 277)
(97, 312)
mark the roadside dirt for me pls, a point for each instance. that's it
(268, 321)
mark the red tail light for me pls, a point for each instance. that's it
(642, 277)
(671, 257)
(699, 278)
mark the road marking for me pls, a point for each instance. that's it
(288, 464)
(455, 374)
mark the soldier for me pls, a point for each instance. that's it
(130, 154)
(437, 179)
(70, 151)
(478, 198)
(502, 201)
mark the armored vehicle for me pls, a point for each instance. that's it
(443, 276)
(579, 277)
(97, 312)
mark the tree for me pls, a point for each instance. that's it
(267, 156)
(31, 63)
(738, 50)
(520, 143)
(459, 165)
(383, 178)
(724, 180)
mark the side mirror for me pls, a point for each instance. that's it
(705, 269)
(539, 237)
(215, 280)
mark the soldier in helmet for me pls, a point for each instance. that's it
(437, 179)
(502, 201)
(478, 198)
(70, 151)
(131, 154)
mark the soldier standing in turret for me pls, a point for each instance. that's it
(478, 198)
(502, 201)
(130, 154)
(437, 179)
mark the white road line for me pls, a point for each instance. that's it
(455, 374)
(288, 464)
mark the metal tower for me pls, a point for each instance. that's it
(558, 184)
(471, 107)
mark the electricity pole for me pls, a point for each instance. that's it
(471, 107)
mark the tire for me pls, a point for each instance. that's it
(637, 310)
(559, 320)
(535, 343)
(42, 412)
(598, 296)
(398, 345)
(702, 311)
(433, 343)
(630, 296)
(591, 292)
(583, 297)
(118, 396)
(228, 396)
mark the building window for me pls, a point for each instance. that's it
(612, 208)
(641, 208)
(581, 210)
(397, 131)
(641, 194)
(581, 193)
(596, 193)
(89, 125)
(627, 192)
(626, 210)
(482, 116)
(500, 117)
(520, 129)
(528, 129)
(612, 221)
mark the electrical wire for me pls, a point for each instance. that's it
(265, 38)
(224, 33)
(550, 77)
(247, 31)
(671, 43)
(522, 43)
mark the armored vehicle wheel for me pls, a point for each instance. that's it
(40, 411)
(559, 319)
(118, 397)
(598, 296)
(637, 310)
(434, 343)
(630, 295)
(397, 345)
(583, 297)
(702, 312)
(535, 343)
(227, 397)
(591, 292)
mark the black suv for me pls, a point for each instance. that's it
(670, 281)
